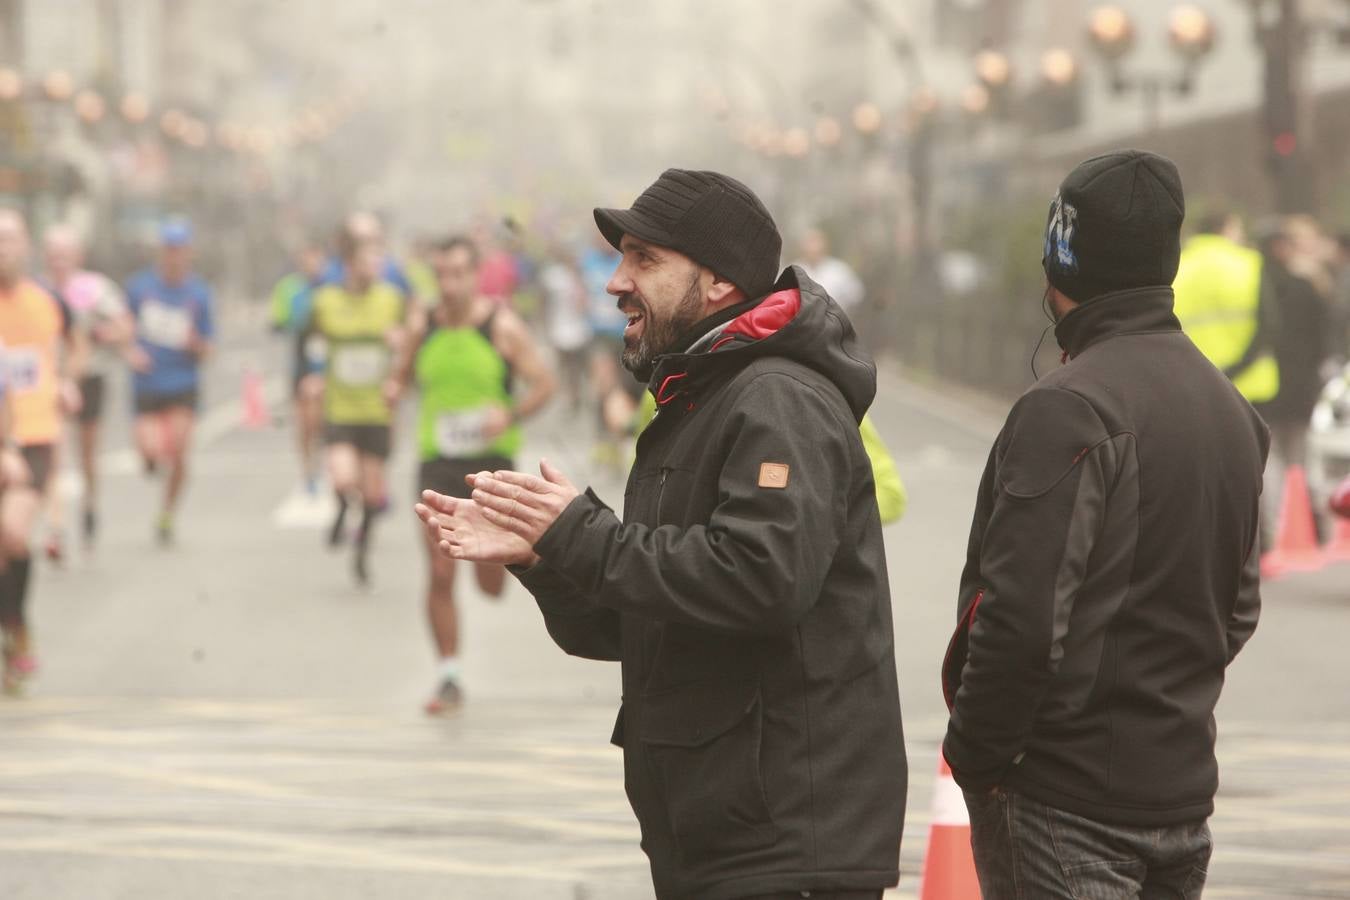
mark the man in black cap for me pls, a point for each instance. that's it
(744, 589)
(1112, 574)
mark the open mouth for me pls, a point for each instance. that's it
(636, 321)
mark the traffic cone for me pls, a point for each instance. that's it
(1296, 548)
(949, 866)
(256, 414)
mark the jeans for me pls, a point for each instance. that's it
(1025, 850)
(821, 895)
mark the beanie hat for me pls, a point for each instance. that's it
(1114, 225)
(711, 218)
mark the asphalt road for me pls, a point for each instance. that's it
(232, 718)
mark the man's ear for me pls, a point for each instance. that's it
(722, 293)
(1061, 303)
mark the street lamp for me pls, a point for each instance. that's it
(796, 143)
(1191, 34)
(59, 86)
(867, 118)
(975, 99)
(135, 108)
(993, 69)
(90, 107)
(828, 131)
(1111, 32)
(1058, 67)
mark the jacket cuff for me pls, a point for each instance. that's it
(562, 546)
(550, 588)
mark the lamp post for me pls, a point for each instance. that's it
(1190, 33)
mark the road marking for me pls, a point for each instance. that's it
(302, 509)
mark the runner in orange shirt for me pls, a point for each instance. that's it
(37, 393)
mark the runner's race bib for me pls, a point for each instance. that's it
(23, 369)
(360, 365)
(165, 326)
(461, 435)
(316, 350)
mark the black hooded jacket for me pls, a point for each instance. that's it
(745, 593)
(1112, 574)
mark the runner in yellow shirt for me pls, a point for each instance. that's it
(360, 319)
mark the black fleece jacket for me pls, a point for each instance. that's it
(1112, 574)
(744, 591)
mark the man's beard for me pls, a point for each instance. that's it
(659, 335)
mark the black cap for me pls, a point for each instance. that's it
(711, 218)
(1115, 225)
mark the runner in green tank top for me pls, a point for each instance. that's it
(466, 368)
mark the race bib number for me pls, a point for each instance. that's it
(462, 434)
(165, 326)
(360, 365)
(316, 349)
(23, 369)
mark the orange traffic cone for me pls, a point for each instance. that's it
(1296, 547)
(948, 866)
(256, 414)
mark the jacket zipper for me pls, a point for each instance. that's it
(660, 494)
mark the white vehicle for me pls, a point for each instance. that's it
(1329, 443)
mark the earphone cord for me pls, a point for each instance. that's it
(1045, 307)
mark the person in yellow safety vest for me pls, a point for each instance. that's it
(892, 498)
(1222, 303)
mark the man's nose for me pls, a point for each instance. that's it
(619, 283)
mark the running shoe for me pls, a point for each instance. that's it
(447, 700)
(55, 548)
(19, 663)
(90, 526)
(164, 529)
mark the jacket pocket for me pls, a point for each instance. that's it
(702, 744)
(957, 649)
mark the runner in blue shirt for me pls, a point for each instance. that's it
(174, 329)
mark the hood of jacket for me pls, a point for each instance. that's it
(796, 320)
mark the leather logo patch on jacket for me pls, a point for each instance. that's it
(773, 475)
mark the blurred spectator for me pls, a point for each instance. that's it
(498, 276)
(611, 387)
(1224, 309)
(833, 274)
(1299, 279)
(420, 275)
(1341, 268)
(569, 331)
